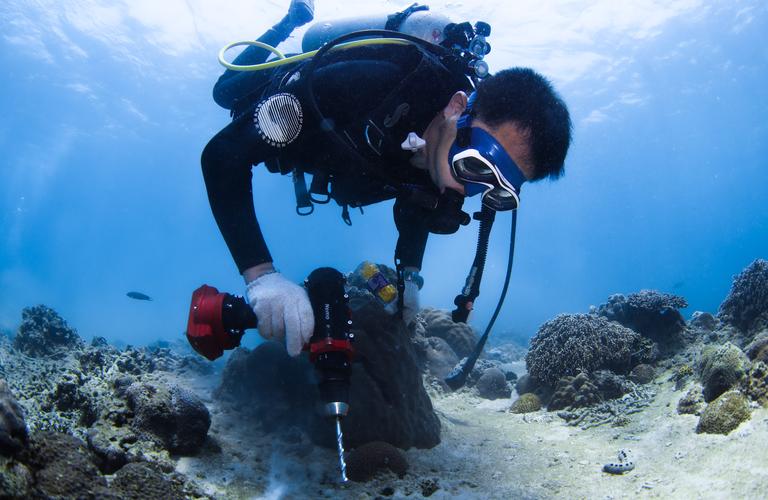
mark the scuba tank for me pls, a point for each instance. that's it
(416, 21)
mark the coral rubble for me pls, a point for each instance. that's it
(70, 423)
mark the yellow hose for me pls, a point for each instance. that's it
(281, 59)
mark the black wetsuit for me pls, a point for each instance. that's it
(348, 84)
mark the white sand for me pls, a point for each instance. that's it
(487, 452)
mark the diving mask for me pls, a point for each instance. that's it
(480, 162)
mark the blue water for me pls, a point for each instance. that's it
(106, 107)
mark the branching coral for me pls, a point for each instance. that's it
(747, 302)
(572, 343)
(648, 312)
(43, 332)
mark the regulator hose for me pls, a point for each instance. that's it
(282, 59)
(471, 290)
(458, 376)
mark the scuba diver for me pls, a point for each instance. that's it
(418, 120)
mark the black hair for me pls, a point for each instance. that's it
(522, 96)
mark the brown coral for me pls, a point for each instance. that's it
(757, 383)
(758, 349)
(574, 392)
(527, 403)
(724, 414)
(13, 430)
(460, 336)
(364, 463)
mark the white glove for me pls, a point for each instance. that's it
(283, 310)
(410, 301)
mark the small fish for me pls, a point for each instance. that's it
(678, 284)
(138, 296)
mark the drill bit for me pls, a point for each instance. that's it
(340, 444)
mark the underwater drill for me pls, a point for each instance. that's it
(217, 321)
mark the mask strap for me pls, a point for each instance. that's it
(464, 136)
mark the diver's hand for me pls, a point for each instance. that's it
(410, 301)
(282, 309)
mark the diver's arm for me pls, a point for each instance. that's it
(226, 164)
(413, 234)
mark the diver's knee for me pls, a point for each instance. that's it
(212, 155)
(221, 94)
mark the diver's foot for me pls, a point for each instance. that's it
(301, 12)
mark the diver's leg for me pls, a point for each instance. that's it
(235, 84)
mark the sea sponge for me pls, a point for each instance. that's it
(460, 336)
(721, 368)
(747, 303)
(648, 312)
(724, 414)
(572, 343)
(43, 333)
(365, 462)
(526, 403)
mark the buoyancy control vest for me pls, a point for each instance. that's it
(361, 160)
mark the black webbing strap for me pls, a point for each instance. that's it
(303, 201)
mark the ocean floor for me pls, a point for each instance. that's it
(625, 386)
(488, 452)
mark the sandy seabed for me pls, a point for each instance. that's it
(487, 453)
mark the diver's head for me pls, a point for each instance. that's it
(515, 128)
